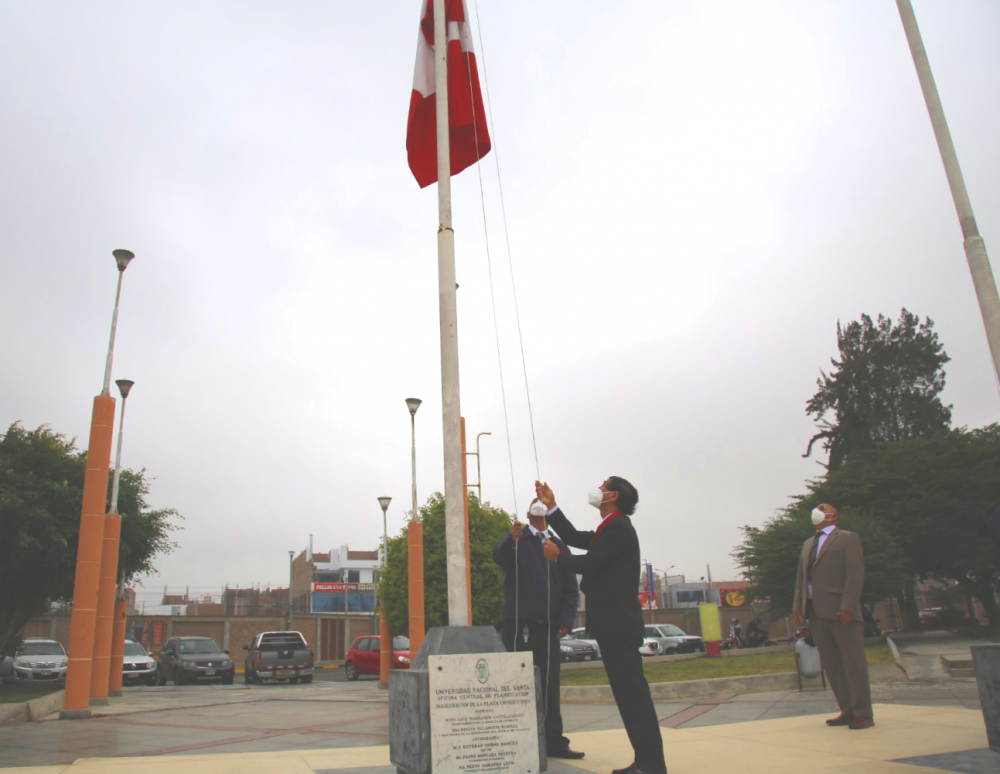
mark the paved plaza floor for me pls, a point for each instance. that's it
(343, 727)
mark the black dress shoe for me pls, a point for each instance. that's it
(627, 770)
(565, 752)
(641, 770)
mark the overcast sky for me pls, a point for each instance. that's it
(695, 193)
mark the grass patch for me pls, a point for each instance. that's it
(14, 694)
(708, 668)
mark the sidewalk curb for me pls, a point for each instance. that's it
(698, 689)
(35, 709)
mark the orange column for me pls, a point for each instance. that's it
(415, 593)
(465, 493)
(76, 703)
(117, 647)
(105, 610)
(385, 652)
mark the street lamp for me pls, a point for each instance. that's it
(124, 387)
(385, 636)
(413, 404)
(415, 545)
(122, 258)
(291, 561)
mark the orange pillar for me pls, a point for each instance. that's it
(117, 647)
(465, 493)
(385, 652)
(76, 703)
(105, 610)
(415, 592)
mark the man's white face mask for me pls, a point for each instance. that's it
(818, 517)
(538, 509)
(596, 498)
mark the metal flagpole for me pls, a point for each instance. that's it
(975, 247)
(458, 602)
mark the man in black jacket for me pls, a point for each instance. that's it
(541, 599)
(610, 571)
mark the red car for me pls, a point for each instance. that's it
(363, 657)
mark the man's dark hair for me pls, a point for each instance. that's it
(627, 496)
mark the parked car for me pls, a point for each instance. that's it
(38, 659)
(278, 656)
(583, 634)
(137, 666)
(365, 652)
(929, 619)
(651, 642)
(674, 640)
(194, 660)
(574, 650)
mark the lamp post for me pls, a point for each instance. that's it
(100, 676)
(291, 562)
(415, 545)
(86, 583)
(385, 636)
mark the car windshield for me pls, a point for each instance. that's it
(652, 631)
(134, 649)
(669, 630)
(198, 646)
(41, 649)
(400, 643)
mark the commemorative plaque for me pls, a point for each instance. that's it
(483, 714)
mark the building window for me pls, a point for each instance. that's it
(354, 576)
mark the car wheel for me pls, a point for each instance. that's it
(352, 671)
(671, 651)
(151, 681)
(227, 680)
(306, 679)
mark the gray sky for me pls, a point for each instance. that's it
(696, 194)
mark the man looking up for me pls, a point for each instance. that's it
(828, 587)
(543, 600)
(610, 576)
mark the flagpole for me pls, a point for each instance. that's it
(975, 247)
(458, 600)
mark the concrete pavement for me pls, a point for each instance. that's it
(333, 726)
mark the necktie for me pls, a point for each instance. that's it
(812, 556)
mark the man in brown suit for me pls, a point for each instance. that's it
(828, 592)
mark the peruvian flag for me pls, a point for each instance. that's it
(468, 135)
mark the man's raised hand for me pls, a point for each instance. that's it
(544, 493)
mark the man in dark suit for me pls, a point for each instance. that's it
(610, 578)
(542, 601)
(828, 588)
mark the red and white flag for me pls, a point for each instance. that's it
(468, 136)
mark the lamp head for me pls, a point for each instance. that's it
(384, 502)
(413, 404)
(124, 385)
(122, 258)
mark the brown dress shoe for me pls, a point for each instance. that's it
(840, 720)
(859, 723)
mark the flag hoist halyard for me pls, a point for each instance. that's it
(468, 135)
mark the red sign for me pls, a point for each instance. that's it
(733, 598)
(343, 586)
(644, 599)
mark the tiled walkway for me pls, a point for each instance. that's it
(344, 727)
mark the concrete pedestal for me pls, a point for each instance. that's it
(409, 696)
(986, 660)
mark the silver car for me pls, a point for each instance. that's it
(38, 659)
(138, 666)
(674, 640)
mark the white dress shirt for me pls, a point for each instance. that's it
(543, 535)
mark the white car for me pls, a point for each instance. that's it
(674, 640)
(39, 660)
(138, 666)
(585, 636)
(652, 642)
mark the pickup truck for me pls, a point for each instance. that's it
(278, 656)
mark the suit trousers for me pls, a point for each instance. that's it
(623, 663)
(842, 653)
(543, 642)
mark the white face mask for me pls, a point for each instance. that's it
(596, 498)
(538, 509)
(818, 517)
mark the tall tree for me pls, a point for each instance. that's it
(41, 488)
(487, 526)
(884, 388)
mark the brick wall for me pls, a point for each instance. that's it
(188, 628)
(243, 630)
